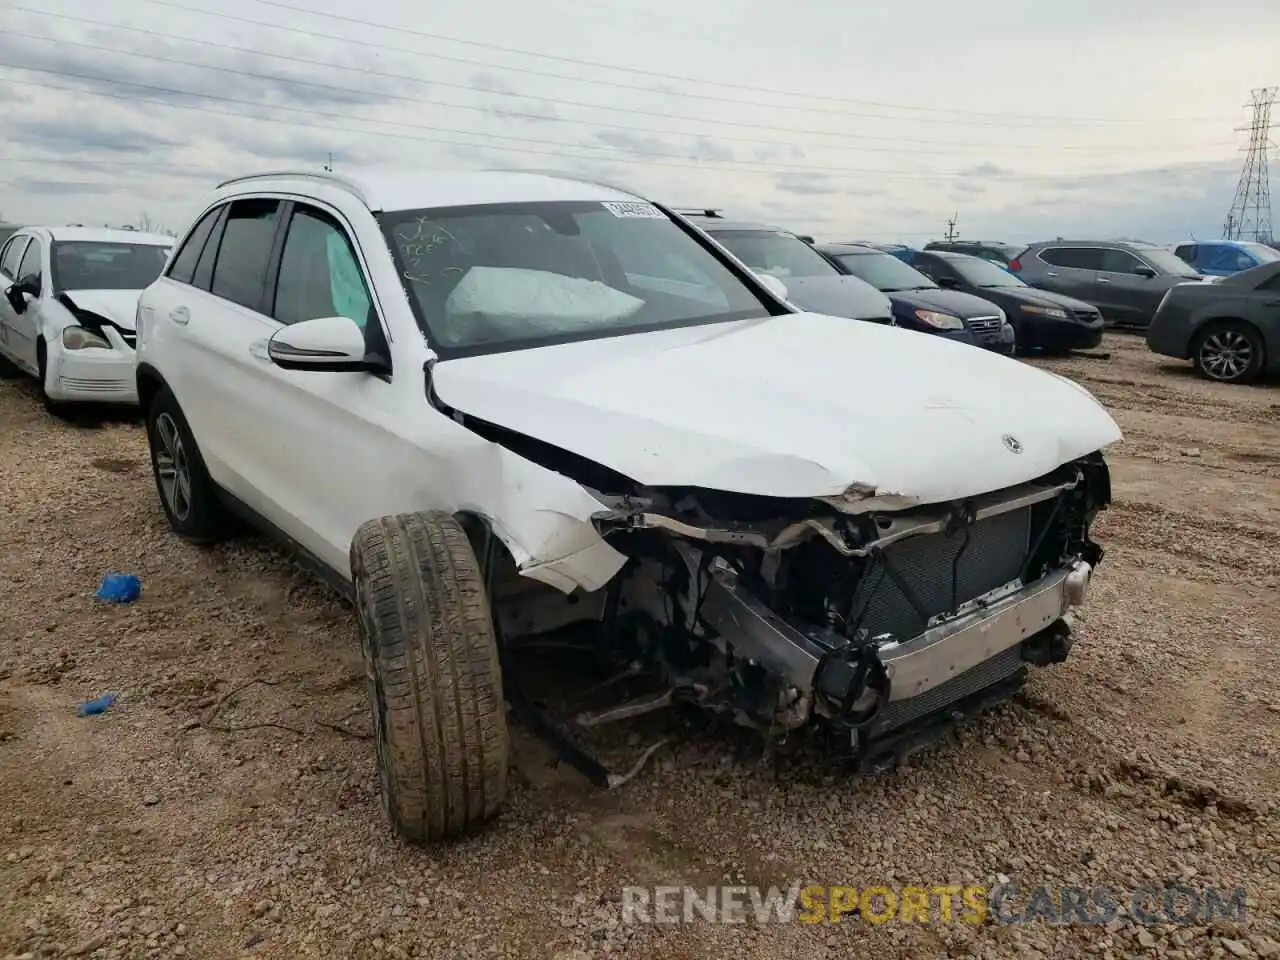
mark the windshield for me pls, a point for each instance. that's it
(493, 277)
(885, 272)
(1167, 262)
(101, 265)
(775, 252)
(984, 273)
(1261, 252)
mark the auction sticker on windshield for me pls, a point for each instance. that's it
(633, 209)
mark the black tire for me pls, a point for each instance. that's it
(434, 677)
(197, 515)
(1229, 351)
(56, 407)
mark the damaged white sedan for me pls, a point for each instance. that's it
(70, 297)
(491, 405)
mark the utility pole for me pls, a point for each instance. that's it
(1250, 214)
(328, 167)
(951, 227)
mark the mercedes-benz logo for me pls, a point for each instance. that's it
(1011, 443)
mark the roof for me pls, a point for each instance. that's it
(107, 235)
(954, 255)
(835, 248)
(1135, 244)
(388, 189)
(714, 224)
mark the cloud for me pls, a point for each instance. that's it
(805, 184)
(379, 95)
(986, 169)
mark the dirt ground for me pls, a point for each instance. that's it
(226, 804)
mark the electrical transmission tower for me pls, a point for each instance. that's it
(951, 228)
(1250, 215)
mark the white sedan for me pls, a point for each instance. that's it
(70, 300)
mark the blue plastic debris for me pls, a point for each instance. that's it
(90, 707)
(119, 588)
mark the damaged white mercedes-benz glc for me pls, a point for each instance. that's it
(488, 406)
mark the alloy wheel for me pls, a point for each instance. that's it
(172, 467)
(1226, 354)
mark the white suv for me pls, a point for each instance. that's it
(490, 405)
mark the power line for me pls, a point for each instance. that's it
(472, 88)
(392, 97)
(1250, 211)
(359, 21)
(349, 41)
(639, 157)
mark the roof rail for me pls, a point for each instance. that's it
(712, 212)
(333, 178)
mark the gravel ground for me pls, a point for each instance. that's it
(226, 804)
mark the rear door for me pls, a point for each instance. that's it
(1069, 270)
(211, 333)
(1125, 294)
(10, 258)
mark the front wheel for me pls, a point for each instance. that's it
(433, 674)
(1229, 351)
(56, 407)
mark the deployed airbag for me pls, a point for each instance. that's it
(516, 299)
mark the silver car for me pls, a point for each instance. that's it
(1124, 280)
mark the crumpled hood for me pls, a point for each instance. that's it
(118, 306)
(838, 296)
(954, 302)
(800, 405)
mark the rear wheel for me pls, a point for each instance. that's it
(187, 493)
(1229, 351)
(434, 679)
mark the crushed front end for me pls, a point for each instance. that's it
(886, 625)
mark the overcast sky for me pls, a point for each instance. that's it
(847, 121)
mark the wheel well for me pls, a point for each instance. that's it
(522, 606)
(1202, 330)
(150, 383)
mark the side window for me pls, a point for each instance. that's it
(12, 256)
(319, 274)
(1186, 252)
(1119, 261)
(30, 266)
(1271, 285)
(203, 277)
(1079, 258)
(241, 269)
(1239, 260)
(184, 264)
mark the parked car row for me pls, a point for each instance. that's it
(488, 405)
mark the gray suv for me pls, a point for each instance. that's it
(1124, 280)
(812, 281)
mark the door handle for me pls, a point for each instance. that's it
(180, 315)
(1103, 280)
(1050, 273)
(259, 349)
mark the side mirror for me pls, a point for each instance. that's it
(326, 344)
(1144, 272)
(949, 283)
(17, 299)
(776, 286)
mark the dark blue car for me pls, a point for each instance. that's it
(919, 303)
